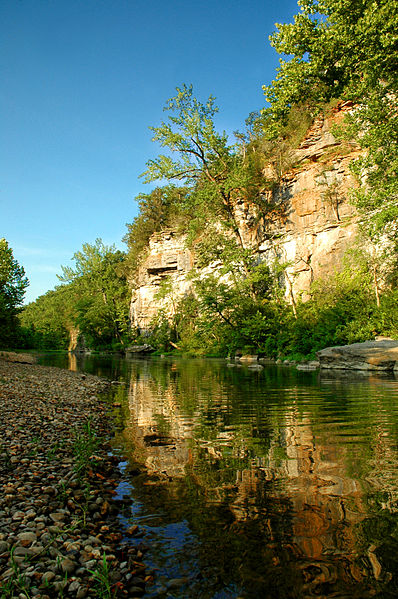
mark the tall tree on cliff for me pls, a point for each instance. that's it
(13, 284)
(201, 158)
(347, 49)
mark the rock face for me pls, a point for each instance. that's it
(166, 267)
(316, 223)
(77, 341)
(309, 226)
(371, 355)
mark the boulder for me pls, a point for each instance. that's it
(248, 358)
(134, 350)
(380, 355)
(17, 357)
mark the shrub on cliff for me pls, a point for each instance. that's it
(346, 49)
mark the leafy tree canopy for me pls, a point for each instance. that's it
(100, 282)
(215, 173)
(91, 263)
(347, 49)
(13, 281)
(13, 284)
(93, 299)
(336, 48)
(47, 322)
(190, 134)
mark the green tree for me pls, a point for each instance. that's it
(347, 49)
(375, 125)
(99, 281)
(47, 322)
(13, 284)
(215, 173)
(336, 48)
(190, 133)
(240, 307)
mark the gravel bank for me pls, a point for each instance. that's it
(59, 532)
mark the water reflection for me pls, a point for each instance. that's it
(285, 475)
(72, 361)
(272, 483)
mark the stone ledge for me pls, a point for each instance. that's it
(9, 356)
(381, 355)
(134, 350)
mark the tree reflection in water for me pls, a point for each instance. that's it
(272, 483)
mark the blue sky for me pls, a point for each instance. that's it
(81, 82)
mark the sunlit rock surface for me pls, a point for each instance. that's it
(309, 226)
(370, 355)
(167, 263)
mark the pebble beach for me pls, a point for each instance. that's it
(59, 529)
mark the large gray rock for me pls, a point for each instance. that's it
(248, 358)
(379, 355)
(134, 350)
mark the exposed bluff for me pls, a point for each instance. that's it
(309, 226)
(168, 262)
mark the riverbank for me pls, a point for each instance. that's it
(59, 528)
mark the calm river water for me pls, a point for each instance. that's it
(258, 484)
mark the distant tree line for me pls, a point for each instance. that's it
(91, 304)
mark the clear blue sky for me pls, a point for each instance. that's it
(81, 82)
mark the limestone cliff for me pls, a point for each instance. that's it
(168, 262)
(309, 229)
(318, 223)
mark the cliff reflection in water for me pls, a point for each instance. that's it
(288, 479)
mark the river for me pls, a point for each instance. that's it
(255, 484)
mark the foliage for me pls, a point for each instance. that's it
(163, 207)
(190, 133)
(94, 301)
(342, 309)
(13, 284)
(103, 586)
(84, 446)
(162, 332)
(235, 308)
(216, 174)
(346, 49)
(17, 585)
(337, 48)
(274, 146)
(99, 282)
(248, 313)
(46, 322)
(375, 125)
